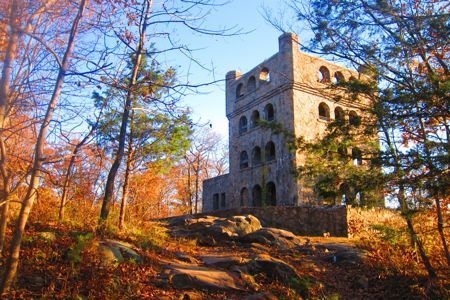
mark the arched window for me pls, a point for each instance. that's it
(354, 119)
(324, 74)
(339, 77)
(357, 157)
(254, 119)
(343, 191)
(324, 112)
(243, 124)
(257, 195)
(239, 90)
(243, 160)
(269, 112)
(270, 151)
(256, 156)
(264, 75)
(244, 196)
(271, 194)
(339, 115)
(251, 84)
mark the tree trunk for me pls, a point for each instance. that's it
(406, 212)
(4, 106)
(434, 190)
(123, 202)
(109, 189)
(189, 189)
(197, 174)
(27, 203)
(67, 178)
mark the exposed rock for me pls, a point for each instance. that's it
(273, 237)
(262, 296)
(47, 236)
(342, 254)
(224, 228)
(272, 267)
(36, 281)
(186, 258)
(223, 261)
(194, 277)
(257, 248)
(112, 252)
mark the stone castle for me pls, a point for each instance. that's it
(287, 89)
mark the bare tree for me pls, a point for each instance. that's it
(27, 203)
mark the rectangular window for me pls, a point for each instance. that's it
(216, 201)
(222, 200)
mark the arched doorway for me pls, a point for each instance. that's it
(271, 194)
(257, 195)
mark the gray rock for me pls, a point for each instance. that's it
(226, 261)
(186, 258)
(47, 236)
(194, 277)
(342, 254)
(213, 229)
(272, 267)
(273, 237)
(112, 252)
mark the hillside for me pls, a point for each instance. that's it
(206, 258)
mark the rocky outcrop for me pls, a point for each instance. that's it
(196, 277)
(209, 229)
(271, 267)
(273, 237)
(112, 252)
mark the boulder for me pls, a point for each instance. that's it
(342, 254)
(112, 251)
(195, 277)
(280, 238)
(272, 267)
(47, 236)
(185, 258)
(211, 229)
(226, 261)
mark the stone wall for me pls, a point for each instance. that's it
(310, 220)
(216, 186)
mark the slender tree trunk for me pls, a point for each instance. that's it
(4, 106)
(440, 225)
(197, 174)
(68, 175)
(27, 203)
(406, 213)
(109, 189)
(189, 188)
(405, 210)
(123, 202)
(435, 191)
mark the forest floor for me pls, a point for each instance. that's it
(62, 261)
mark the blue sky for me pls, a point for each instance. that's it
(223, 54)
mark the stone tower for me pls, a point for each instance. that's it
(287, 88)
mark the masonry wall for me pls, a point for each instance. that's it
(312, 220)
(218, 185)
(295, 91)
